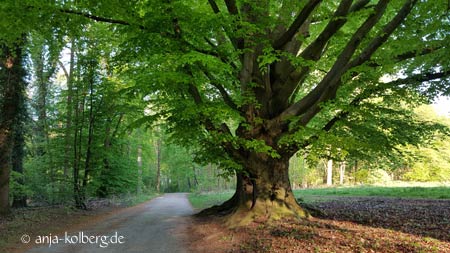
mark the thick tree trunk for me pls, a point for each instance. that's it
(5, 163)
(11, 79)
(263, 193)
(19, 197)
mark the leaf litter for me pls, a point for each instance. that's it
(346, 224)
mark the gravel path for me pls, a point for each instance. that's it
(149, 228)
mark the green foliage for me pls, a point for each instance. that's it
(222, 89)
(372, 176)
(431, 163)
(17, 186)
(208, 199)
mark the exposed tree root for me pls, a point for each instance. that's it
(234, 214)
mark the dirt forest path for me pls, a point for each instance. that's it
(150, 228)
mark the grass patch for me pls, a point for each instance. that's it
(208, 199)
(398, 190)
(434, 192)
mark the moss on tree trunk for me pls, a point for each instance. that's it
(263, 194)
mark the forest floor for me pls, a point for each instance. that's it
(347, 224)
(46, 220)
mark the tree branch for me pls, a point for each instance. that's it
(388, 29)
(420, 78)
(313, 51)
(411, 54)
(214, 6)
(99, 18)
(359, 5)
(210, 127)
(66, 74)
(287, 83)
(225, 96)
(288, 86)
(195, 94)
(423, 77)
(366, 94)
(319, 93)
(231, 6)
(298, 22)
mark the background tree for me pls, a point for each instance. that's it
(12, 114)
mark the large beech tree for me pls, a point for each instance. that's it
(255, 81)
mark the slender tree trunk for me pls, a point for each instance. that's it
(69, 105)
(195, 176)
(76, 167)
(330, 172)
(102, 189)
(41, 105)
(189, 183)
(13, 86)
(87, 162)
(158, 164)
(342, 172)
(77, 144)
(107, 144)
(139, 164)
(304, 173)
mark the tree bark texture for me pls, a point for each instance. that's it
(12, 91)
